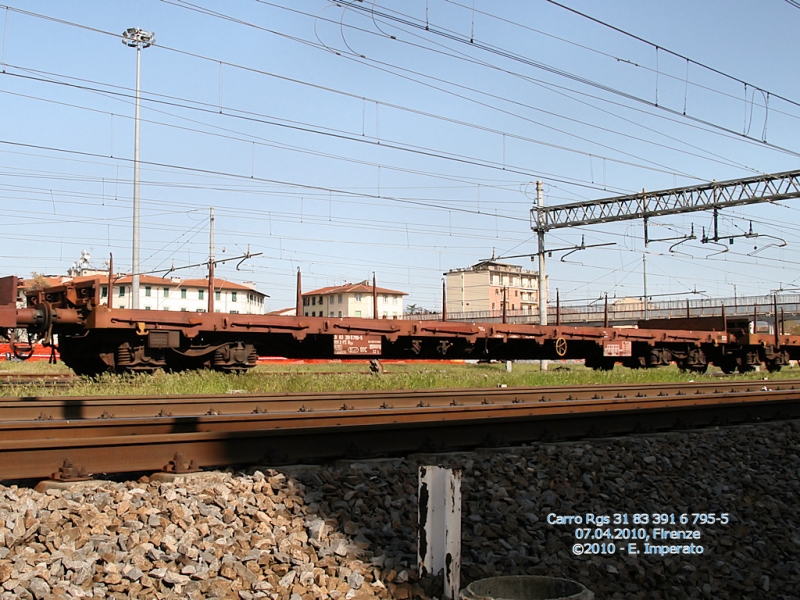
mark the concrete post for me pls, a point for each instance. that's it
(439, 516)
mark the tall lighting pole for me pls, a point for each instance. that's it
(542, 277)
(136, 38)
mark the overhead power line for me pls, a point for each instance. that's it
(261, 179)
(681, 56)
(472, 42)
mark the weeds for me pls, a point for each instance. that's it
(342, 377)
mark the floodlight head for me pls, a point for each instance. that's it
(138, 38)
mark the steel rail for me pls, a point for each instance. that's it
(36, 449)
(47, 408)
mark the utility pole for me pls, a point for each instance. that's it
(136, 38)
(542, 278)
(644, 274)
(211, 261)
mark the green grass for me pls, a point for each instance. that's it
(341, 376)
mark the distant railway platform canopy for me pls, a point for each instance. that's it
(644, 205)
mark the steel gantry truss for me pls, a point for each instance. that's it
(645, 205)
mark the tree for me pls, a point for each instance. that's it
(36, 282)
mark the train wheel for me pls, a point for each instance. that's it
(695, 361)
(775, 360)
(132, 358)
(235, 357)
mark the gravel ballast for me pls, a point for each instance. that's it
(348, 530)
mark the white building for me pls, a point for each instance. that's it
(188, 295)
(353, 300)
(157, 293)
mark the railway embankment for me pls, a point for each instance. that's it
(348, 530)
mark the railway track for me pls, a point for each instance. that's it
(125, 434)
(52, 380)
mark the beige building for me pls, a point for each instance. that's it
(480, 288)
(353, 300)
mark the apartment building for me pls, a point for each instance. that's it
(481, 288)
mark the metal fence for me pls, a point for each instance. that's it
(628, 313)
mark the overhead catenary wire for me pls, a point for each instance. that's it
(183, 5)
(444, 202)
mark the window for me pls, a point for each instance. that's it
(385, 298)
(358, 299)
(104, 291)
(165, 308)
(313, 313)
(314, 301)
(394, 299)
(147, 308)
(331, 313)
(217, 296)
(340, 312)
(305, 302)
(358, 313)
(183, 309)
(121, 292)
(201, 294)
(183, 292)
(201, 310)
(166, 293)
(234, 312)
(321, 301)
(147, 291)
(340, 301)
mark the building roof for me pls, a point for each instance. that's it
(144, 280)
(486, 265)
(362, 287)
(283, 312)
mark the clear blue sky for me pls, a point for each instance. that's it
(346, 140)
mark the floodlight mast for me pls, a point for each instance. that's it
(134, 37)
